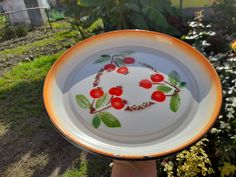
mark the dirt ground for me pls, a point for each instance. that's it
(7, 61)
(29, 143)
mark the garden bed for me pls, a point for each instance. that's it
(41, 41)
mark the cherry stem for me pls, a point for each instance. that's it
(94, 112)
(110, 100)
(176, 88)
(91, 107)
(113, 60)
(116, 64)
(175, 92)
(93, 102)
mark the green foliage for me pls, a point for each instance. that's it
(55, 15)
(81, 171)
(96, 121)
(164, 88)
(103, 58)
(83, 101)
(109, 120)
(224, 132)
(223, 135)
(9, 32)
(3, 21)
(175, 102)
(21, 91)
(203, 36)
(190, 163)
(227, 169)
(194, 161)
(102, 100)
(79, 20)
(224, 19)
(191, 3)
(125, 14)
(174, 78)
(56, 38)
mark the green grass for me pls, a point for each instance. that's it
(191, 3)
(22, 114)
(21, 90)
(54, 39)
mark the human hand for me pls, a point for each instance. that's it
(134, 168)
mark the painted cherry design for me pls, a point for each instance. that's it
(102, 101)
(116, 91)
(129, 60)
(96, 93)
(157, 77)
(145, 83)
(109, 67)
(123, 70)
(158, 96)
(118, 103)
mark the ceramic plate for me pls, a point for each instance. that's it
(132, 94)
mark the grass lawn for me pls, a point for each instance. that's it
(41, 43)
(38, 42)
(191, 3)
(30, 146)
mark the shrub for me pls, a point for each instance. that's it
(9, 32)
(128, 14)
(224, 17)
(55, 15)
(190, 163)
(219, 154)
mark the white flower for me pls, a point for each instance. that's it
(215, 130)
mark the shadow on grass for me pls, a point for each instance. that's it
(30, 145)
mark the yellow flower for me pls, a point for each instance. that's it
(233, 45)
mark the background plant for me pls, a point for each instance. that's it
(9, 32)
(224, 18)
(131, 14)
(221, 147)
(56, 15)
(190, 163)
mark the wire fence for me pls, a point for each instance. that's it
(7, 14)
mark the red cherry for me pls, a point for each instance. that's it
(129, 60)
(117, 91)
(123, 70)
(158, 96)
(145, 83)
(157, 77)
(96, 93)
(109, 67)
(117, 103)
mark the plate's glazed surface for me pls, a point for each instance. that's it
(132, 94)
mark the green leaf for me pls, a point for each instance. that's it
(155, 16)
(164, 88)
(103, 58)
(132, 6)
(96, 121)
(109, 120)
(126, 52)
(119, 61)
(89, 2)
(174, 78)
(83, 101)
(175, 102)
(182, 84)
(138, 21)
(102, 101)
